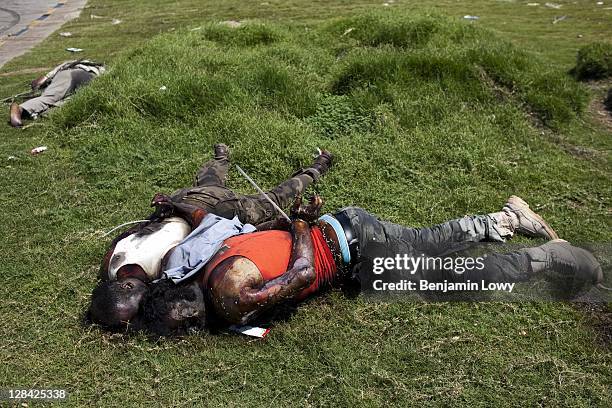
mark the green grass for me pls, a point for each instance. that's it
(431, 117)
(594, 61)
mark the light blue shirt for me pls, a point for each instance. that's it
(193, 252)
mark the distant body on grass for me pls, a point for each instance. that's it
(57, 86)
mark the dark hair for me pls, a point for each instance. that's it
(103, 307)
(107, 300)
(159, 302)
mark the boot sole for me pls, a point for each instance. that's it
(597, 276)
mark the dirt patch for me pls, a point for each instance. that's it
(597, 108)
(503, 93)
(598, 316)
(577, 151)
(601, 114)
(25, 71)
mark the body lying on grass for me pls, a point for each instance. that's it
(142, 254)
(255, 272)
(57, 85)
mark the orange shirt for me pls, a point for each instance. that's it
(270, 251)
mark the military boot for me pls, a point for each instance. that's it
(221, 151)
(319, 167)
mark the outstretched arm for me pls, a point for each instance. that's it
(278, 224)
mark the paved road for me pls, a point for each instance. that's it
(25, 23)
(8, 19)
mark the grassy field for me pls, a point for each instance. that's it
(431, 118)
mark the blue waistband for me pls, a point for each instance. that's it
(342, 241)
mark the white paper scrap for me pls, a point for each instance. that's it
(258, 332)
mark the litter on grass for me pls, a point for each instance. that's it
(553, 5)
(115, 21)
(65, 34)
(231, 23)
(557, 19)
(258, 332)
(71, 49)
(38, 150)
(468, 17)
(163, 88)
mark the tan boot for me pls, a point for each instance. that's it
(526, 221)
(16, 115)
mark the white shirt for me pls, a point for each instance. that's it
(148, 250)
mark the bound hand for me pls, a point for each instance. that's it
(163, 205)
(38, 82)
(309, 212)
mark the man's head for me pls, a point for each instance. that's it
(173, 309)
(114, 304)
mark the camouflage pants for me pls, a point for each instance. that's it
(211, 194)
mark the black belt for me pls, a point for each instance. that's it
(349, 232)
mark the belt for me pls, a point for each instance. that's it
(349, 232)
(342, 242)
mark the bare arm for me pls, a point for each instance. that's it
(277, 224)
(237, 286)
(300, 275)
(38, 82)
(309, 213)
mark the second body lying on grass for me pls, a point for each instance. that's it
(138, 256)
(254, 272)
(57, 86)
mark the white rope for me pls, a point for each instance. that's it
(250, 180)
(123, 225)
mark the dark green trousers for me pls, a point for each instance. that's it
(210, 193)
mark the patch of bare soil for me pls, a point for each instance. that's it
(26, 71)
(598, 316)
(597, 109)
